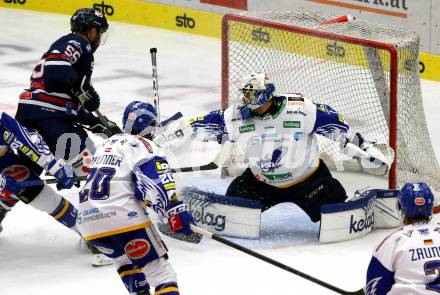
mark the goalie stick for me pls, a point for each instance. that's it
(224, 241)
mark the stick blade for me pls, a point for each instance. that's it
(165, 229)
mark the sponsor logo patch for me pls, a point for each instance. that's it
(17, 172)
(247, 128)
(132, 214)
(419, 201)
(137, 249)
(292, 124)
(297, 135)
(161, 166)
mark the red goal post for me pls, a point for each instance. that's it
(367, 72)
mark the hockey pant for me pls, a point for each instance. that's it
(141, 260)
(66, 140)
(318, 189)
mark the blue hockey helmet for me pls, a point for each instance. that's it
(139, 118)
(256, 89)
(416, 200)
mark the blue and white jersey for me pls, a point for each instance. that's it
(126, 173)
(406, 262)
(62, 67)
(281, 146)
(18, 139)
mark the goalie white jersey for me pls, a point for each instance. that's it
(406, 262)
(127, 173)
(280, 146)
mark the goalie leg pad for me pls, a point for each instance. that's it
(348, 220)
(224, 215)
(357, 217)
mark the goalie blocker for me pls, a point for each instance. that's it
(349, 220)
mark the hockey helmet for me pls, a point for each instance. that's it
(416, 200)
(84, 19)
(139, 118)
(256, 89)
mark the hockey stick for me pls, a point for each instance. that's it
(28, 183)
(153, 52)
(271, 261)
(210, 166)
(83, 98)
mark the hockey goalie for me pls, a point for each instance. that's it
(270, 147)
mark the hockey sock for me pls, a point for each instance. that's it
(167, 289)
(134, 279)
(65, 214)
(56, 206)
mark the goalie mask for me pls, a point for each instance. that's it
(416, 200)
(255, 90)
(139, 119)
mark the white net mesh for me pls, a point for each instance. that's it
(348, 66)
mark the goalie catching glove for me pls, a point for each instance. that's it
(179, 218)
(374, 157)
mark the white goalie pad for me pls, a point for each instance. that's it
(227, 216)
(356, 218)
(387, 213)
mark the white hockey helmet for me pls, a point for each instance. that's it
(255, 90)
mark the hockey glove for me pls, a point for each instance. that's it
(9, 185)
(179, 218)
(63, 173)
(87, 95)
(109, 128)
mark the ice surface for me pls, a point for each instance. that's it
(39, 256)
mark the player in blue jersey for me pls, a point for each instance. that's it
(408, 260)
(129, 173)
(19, 147)
(278, 137)
(61, 98)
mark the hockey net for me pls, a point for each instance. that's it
(367, 72)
